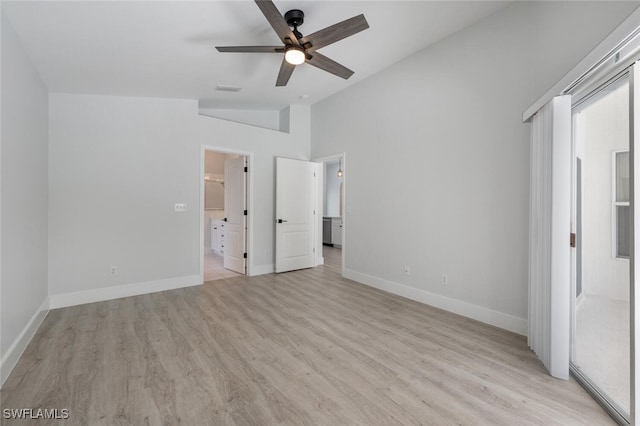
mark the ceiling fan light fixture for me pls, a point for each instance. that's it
(294, 55)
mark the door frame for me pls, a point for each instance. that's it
(249, 193)
(608, 404)
(319, 202)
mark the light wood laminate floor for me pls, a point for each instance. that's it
(305, 347)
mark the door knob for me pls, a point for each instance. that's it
(281, 221)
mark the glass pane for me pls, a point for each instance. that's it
(601, 344)
(622, 176)
(624, 231)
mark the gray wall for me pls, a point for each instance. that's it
(118, 165)
(23, 176)
(445, 127)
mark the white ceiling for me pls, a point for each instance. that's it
(166, 48)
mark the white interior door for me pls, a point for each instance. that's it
(235, 202)
(295, 191)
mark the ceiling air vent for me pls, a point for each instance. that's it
(225, 88)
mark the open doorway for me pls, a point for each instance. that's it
(224, 216)
(333, 211)
(600, 355)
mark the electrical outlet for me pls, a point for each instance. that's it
(113, 270)
(445, 279)
(407, 270)
(180, 208)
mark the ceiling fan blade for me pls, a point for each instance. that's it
(251, 49)
(335, 33)
(277, 21)
(286, 69)
(329, 65)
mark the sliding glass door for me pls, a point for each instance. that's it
(601, 344)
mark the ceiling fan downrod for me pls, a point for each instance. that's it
(295, 18)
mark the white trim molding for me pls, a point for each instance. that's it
(116, 292)
(19, 345)
(469, 310)
(634, 175)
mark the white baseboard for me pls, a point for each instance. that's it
(262, 269)
(13, 354)
(479, 313)
(117, 292)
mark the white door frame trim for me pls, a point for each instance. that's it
(249, 156)
(323, 159)
(634, 168)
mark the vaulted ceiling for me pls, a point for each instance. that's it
(167, 48)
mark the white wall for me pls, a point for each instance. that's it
(268, 119)
(604, 129)
(445, 125)
(117, 167)
(24, 193)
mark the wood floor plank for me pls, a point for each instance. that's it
(301, 348)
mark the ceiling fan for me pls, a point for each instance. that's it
(297, 48)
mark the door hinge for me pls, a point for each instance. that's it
(245, 212)
(246, 169)
(245, 255)
(572, 239)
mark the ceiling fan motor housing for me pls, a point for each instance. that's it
(294, 18)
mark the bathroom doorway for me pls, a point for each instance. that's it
(224, 215)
